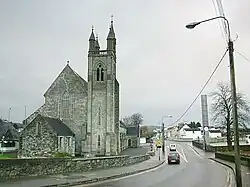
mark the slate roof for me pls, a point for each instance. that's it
(133, 131)
(215, 131)
(180, 126)
(122, 124)
(59, 127)
(192, 129)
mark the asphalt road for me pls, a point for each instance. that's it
(194, 171)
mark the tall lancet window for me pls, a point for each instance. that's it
(100, 73)
(99, 116)
(65, 106)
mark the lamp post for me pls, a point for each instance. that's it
(233, 94)
(9, 114)
(163, 132)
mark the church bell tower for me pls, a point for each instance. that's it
(103, 97)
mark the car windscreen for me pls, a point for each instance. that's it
(173, 155)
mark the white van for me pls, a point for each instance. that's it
(248, 138)
(172, 147)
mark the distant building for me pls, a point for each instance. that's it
(123, 137)
(133, 136)
(9, 136)
(215, 133)
(187, 132)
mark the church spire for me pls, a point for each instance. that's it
(97, 46)
(92, 40)
(111, 40)
(111, 34)
(92, 35)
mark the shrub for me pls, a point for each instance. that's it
(62, 155)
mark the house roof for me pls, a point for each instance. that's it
(58, 126)
(133, 131)
(191, 129)
(179, 127)
(215, 131)
(122, 124)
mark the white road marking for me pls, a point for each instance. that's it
(195, 152)
(228, 179)
(182, 154)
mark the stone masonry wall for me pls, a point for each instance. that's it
(42, 145)
(18, 168)
(67, 99)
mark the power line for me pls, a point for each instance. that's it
(243, 56)
(204, 86)
(219, 12)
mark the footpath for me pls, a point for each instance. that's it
(245, 171)
(74, 179)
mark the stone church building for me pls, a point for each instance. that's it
(89, 108)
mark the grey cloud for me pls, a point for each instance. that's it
(161, 64)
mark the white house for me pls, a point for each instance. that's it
(186, 132)
(172, 132)
(215, 133)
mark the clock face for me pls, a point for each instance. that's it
(206, 128)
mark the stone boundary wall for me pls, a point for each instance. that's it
(210, 148)
(19, 168)
(245, 160)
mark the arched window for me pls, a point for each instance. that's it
(99, 116)
(100, 73)
(65, 105)
(99, 141)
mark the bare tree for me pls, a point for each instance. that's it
(137, 118)
(127, 120)
(221, 109)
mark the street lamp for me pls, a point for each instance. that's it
(163, 132)
(233, 93)
(9, 114)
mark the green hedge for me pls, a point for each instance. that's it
(62, 155)
(229, 156)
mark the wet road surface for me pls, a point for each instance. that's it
(194, 171)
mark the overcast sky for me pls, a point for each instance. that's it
(161, 65)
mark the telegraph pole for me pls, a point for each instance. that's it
(234, 98)
(235, 115)
(163, 138)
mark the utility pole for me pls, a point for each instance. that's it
(235, 115)
(234, 98)
(25, 122)
(163, 132)
(163, 138)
